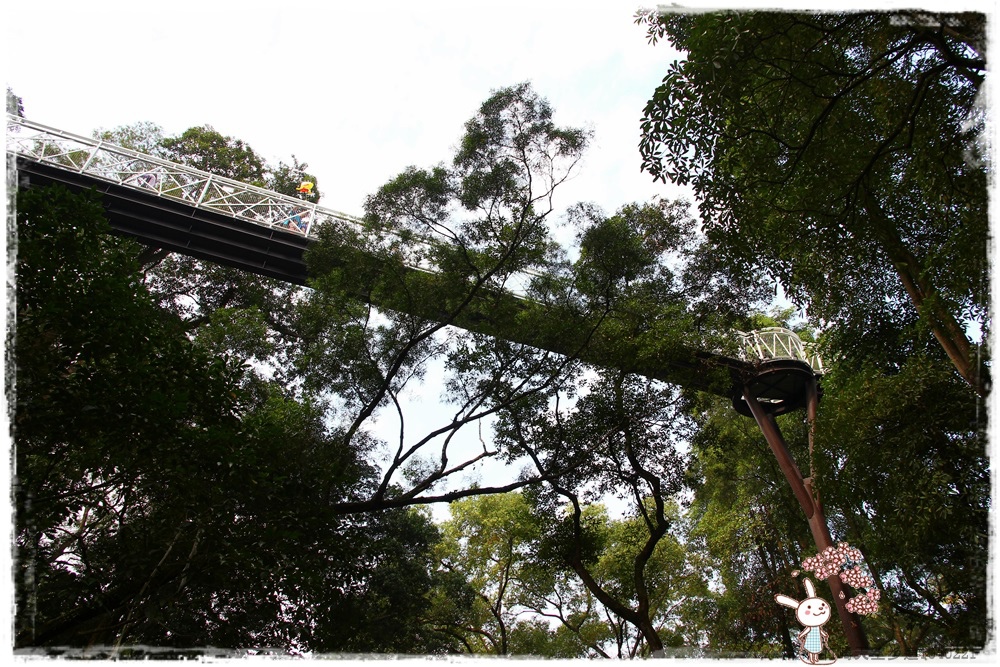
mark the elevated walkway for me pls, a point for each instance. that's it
(172, 206)
(185, 210)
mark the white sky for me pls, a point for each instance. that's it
(359, 91)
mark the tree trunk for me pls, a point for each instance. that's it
(946, 329)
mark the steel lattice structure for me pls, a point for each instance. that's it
(777, 343)
(167, 179)
(246, 207)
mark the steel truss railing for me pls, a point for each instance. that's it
(200, 189)
(167, 179)
(777, 343)
(254, 205)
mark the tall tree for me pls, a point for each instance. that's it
(745, 521)
(913, 494)
(14, 104)
(437, 248)
(145, 137)
(840, 154)
(209, 150)
(486, 542)
(909, 492)
(519, 586)
(617, 439)
(163, 495)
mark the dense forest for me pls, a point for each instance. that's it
(201, 456)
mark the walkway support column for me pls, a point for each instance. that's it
(802, 489)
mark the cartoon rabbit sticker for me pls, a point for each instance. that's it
(812, 613)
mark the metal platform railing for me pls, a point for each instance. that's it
(777, 343)
(252, 205)
(167, 179)
(203, 190)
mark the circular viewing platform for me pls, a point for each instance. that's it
(783, 368)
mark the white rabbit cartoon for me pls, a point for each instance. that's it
(812, 613)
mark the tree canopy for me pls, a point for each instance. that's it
(165, 497)
(841, 154)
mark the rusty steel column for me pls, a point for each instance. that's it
(813, 510)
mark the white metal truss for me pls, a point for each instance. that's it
(200, 189)
(254, 205)
(167, 179)
(777, 343)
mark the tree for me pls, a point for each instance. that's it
(913, 495)
(677, 584)
(839, 154)
(516, 590)
(437, 248)
(15, 105)
(744, 520)
(486, 543)
(206, 149)
(224, 309)
(250, 490)
(164, 495)
(620, 434)
(617, 439)
(909, 492)
(144, 137)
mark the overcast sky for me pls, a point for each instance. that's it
(358, 90)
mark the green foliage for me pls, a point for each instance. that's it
(438, 248)
(164, 495)
(144, 137)
(624, 248)
(899, 466)
(838, 154)
(501, 549)
(617, 439)
(286, 178)
(675, 583)
(446, 244)
(486, 544)
(744, 522)
(206, 149)
(15, 105)
(509, 143)
(642, 272)
(914, 494)
(490, 206)
(223, 308)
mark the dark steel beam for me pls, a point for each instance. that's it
(175, 225)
